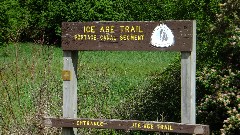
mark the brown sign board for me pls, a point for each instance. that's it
(174, 35)
(127, 125)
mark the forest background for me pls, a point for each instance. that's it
(30, 36)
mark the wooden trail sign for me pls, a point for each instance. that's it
(127, 125)
(129, 36)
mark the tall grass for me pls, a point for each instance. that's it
(31, 85)
(108, 78)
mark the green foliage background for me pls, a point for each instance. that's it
(218, 75)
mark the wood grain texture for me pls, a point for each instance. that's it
(181, 29)
(70, 59)
(188, 83)
(170, 127)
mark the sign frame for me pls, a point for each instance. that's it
(185, 36)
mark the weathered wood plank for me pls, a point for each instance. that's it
(173, 35)
(188, 84)
(193, 76)
(185, 87)
(70, 59)
(128, 125)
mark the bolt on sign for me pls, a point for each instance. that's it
(127, 36)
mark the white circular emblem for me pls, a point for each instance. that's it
(162, 36)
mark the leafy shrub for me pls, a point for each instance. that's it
(13, 21)
(219, 104)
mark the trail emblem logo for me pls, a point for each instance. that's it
(162, 36)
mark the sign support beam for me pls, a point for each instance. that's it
(70, 59)
(188, 83)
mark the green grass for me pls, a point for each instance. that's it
(108, 78)
(31, 81)
(30, 86)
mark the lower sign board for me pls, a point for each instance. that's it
(127, 125)
(174, 35)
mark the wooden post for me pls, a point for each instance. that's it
(188, 84)
(70, 59)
